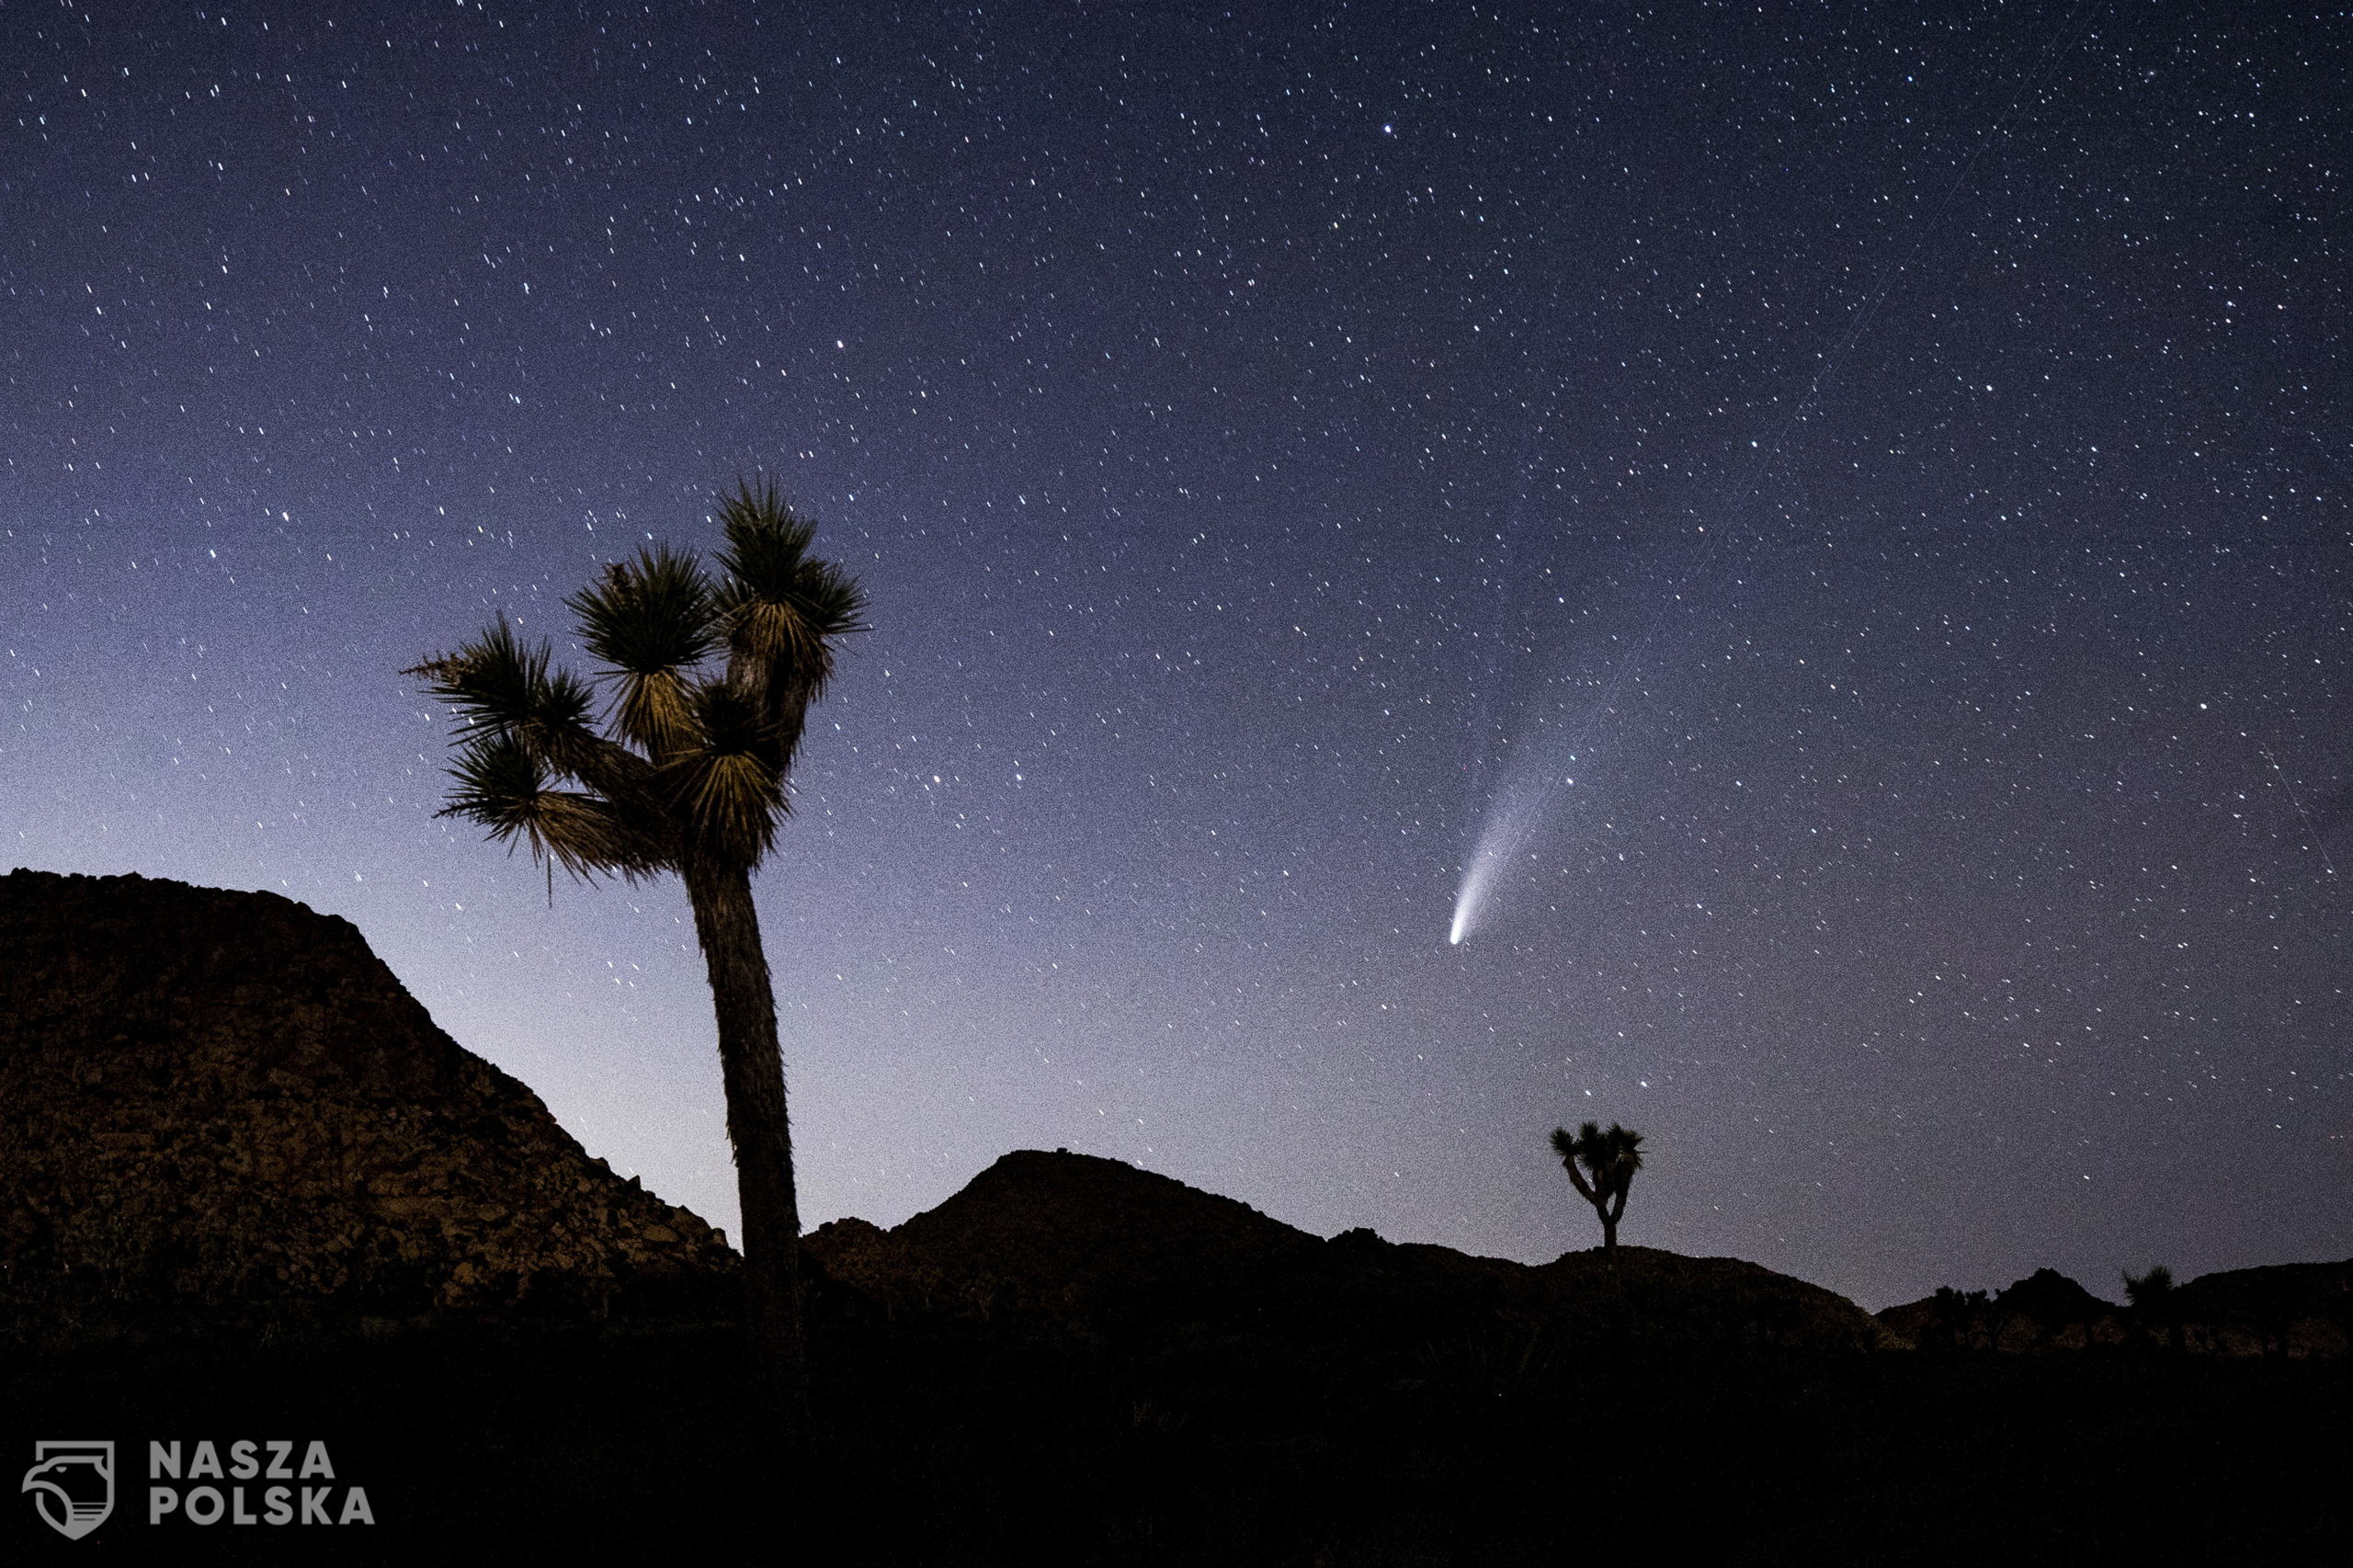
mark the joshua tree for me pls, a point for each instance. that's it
(2149, 1290)
(708, 680)
(2155, 1301)
(1610, 1161)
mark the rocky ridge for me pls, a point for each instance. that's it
(209, 1096)
(1076, 1244)
(2298, 1311)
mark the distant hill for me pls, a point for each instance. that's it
(1061, 1235)
(2295, 1310)
(1077, 1243)
(212, 1099)
(209, 1097)
(220, 1116)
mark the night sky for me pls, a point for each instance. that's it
(1813, 536)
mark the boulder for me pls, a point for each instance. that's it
(1721, 1301)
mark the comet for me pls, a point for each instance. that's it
(1511, 823)
(1534, 773)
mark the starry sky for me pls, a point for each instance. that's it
(1812, 536)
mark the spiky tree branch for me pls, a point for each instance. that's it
(688, 776)
(1609, 1160)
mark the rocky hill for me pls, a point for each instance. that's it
(212, 1097)
(2291, 1309)
(2296, 1309)
(209, 1096)
(1074, 1243)
(1061, 1235)
(224, 1100)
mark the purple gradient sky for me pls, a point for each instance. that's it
(1892, 458)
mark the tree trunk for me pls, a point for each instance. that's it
(751, 1069)
(1611, 1213)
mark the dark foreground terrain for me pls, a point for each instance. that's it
(249, 1193)
(958, 1443)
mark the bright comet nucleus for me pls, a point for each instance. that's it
(1511, 821)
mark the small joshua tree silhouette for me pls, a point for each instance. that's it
(2154, 1301)
(1609, 1160)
